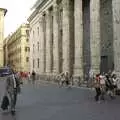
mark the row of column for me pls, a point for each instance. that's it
(94, 37)
(47, 30)
(46, 39)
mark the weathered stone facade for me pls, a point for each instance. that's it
(75, 36)
(116, 34)
(106, 14)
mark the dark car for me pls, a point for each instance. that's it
(4, 71)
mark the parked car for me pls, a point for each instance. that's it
(4, 71)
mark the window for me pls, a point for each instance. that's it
(38, 45)
(33, 63)
(38, 30)
(38, 62)
(27, 59)
(33, 48)
(33, 33)
(27, 49)
(20, 49)
(27, 32)
(27, 40)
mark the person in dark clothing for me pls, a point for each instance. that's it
(12, 89)
(109, 86)
(97, 88)
(33, 76)
(67, 78)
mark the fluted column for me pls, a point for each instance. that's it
(66, 36)
(56, 41)
(44, 32)
(48, 42)
(95, 35)
(41, 45)
(78, 66)
(116, 34)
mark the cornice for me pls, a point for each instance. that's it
(37, 7)
(5, 10)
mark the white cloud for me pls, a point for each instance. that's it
(18, 12)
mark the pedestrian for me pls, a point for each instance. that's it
(67, 78)
(71, 80)
(62, 79)
(28, 76)
(115, 81)
(102, 86)
(33, 76)
(91, 78)
(97, 87)
(12, 89)
(109, 86)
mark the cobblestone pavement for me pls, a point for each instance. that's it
(49, 102)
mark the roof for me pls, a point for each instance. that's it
(37, 3)
(36, 8)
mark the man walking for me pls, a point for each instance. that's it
(12, 89)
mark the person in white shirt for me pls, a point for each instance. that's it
(91, 78)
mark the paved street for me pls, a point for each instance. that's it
(48, 102)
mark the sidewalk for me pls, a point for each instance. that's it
(83, 86)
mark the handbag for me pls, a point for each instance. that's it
(5, 103)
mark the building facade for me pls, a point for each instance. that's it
(5, 49)
(17, 49)
(75, 36)
(2, 14)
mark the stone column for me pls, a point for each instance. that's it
(116, 34)
(95, 35)
(66, 36)
(48, 40)
(2, 14)
(44, 39)
(55, 38)
(42, 52)
(51, 41)
(78, 66)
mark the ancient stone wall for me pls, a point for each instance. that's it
(106, 35)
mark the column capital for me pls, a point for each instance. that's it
(55, 5)
(55, 2)
(41, 19)
(55, 9)
(65, 4)
(47, 12)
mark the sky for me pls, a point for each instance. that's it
(18, 12)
